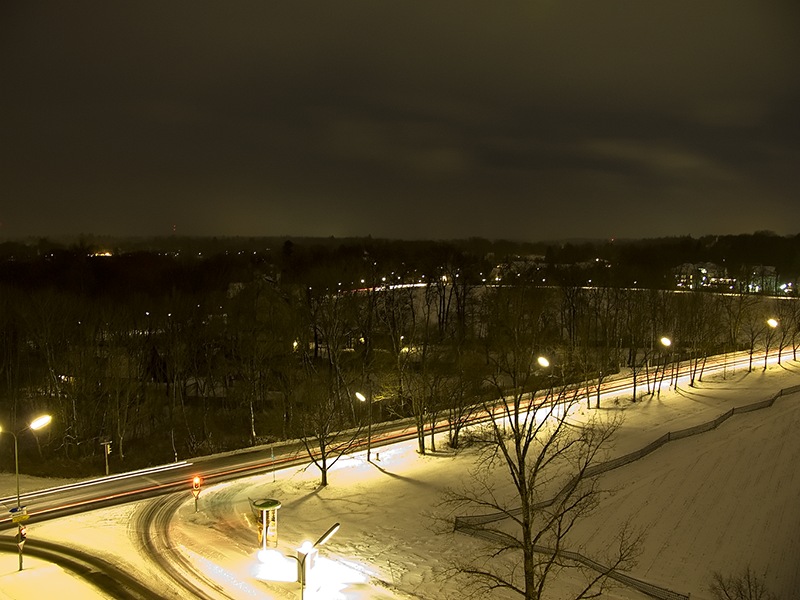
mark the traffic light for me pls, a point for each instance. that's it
(196, 482)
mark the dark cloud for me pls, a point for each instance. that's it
(418, 119)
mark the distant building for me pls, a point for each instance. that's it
(710, 276)
(521, 265)
(762, 279)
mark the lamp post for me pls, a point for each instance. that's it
(19, 516)
(667, 343)
(544, 363)
(363, 398)
(305, 551)
(772, 324)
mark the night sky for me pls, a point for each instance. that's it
(524, 120)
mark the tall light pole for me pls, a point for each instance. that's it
(544, 363)
(362, 398)
(772, 324)
(305, 551)
(667, 343)
(19, 516)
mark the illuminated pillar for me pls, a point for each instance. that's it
(268, 522)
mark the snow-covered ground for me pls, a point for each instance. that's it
(719, 501)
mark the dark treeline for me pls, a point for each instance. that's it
(181, 347)
(648, 262)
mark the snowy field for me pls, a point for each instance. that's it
(719, 501)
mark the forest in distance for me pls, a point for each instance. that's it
(647, 261)
(185, 347)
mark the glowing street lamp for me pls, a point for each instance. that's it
(667, 343)
(304, 563)
(772, 324)
(544, 363)
(363, 398)
(19, 514)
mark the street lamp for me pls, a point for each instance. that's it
(309, 549)
(667, 343)
(362, 398)
(544, 363)
(772, 324)
(19, 516)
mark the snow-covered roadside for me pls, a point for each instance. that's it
(720, 500)
(40, 579)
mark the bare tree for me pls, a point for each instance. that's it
(464, 390)
(124, 374)
(397, 315)
(597, 354)
(547, 460)
(638, 337)
(425, 382)
(754, 326)
(793, 325)
(747, 586)
(698, 327)
(326, 432)
(544, 458)
(784, 310)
